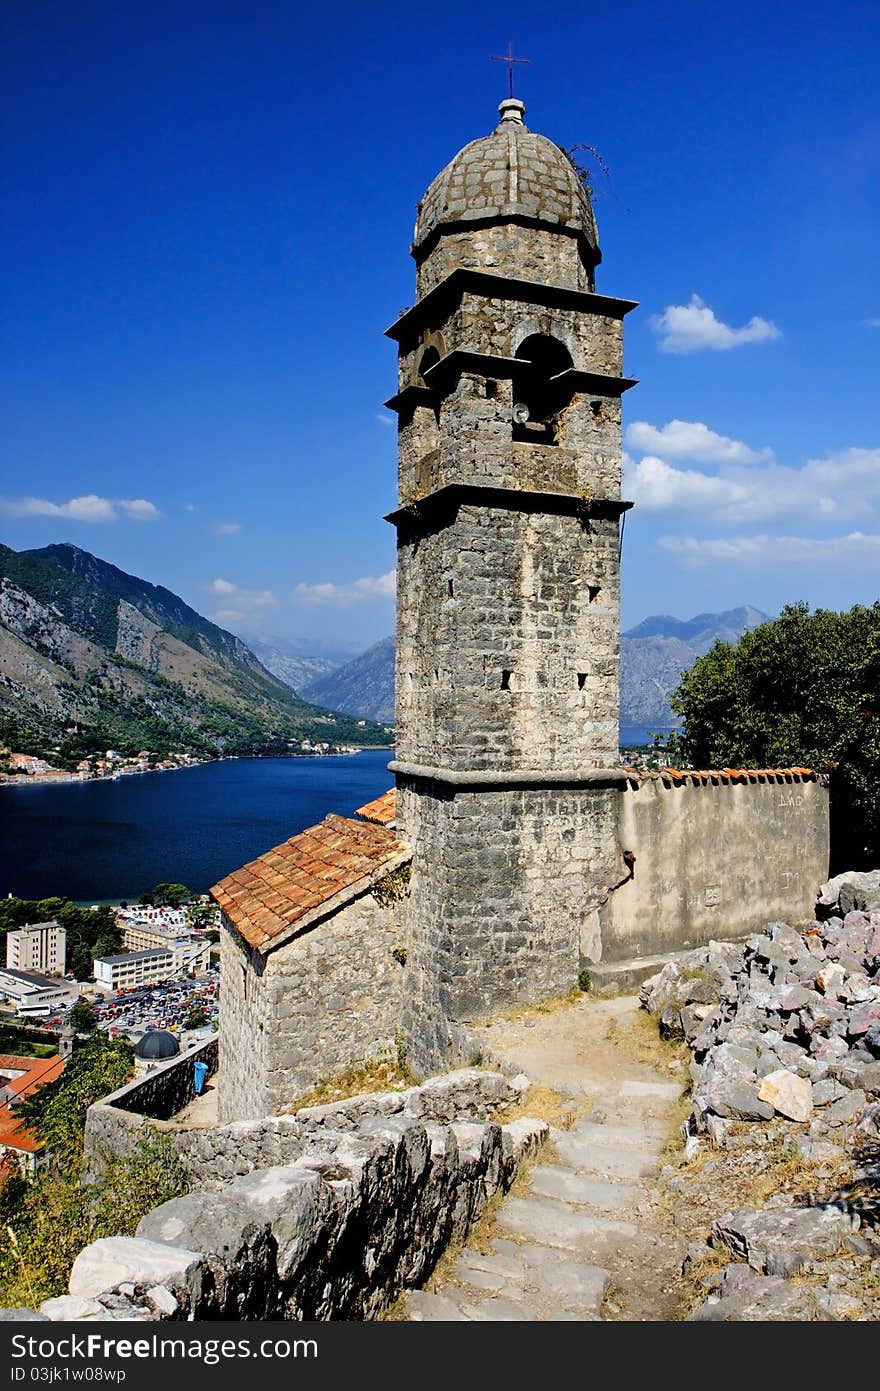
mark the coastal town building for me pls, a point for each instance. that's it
(19, 1078)
(37, 947)
(155, 964)
(137, 936)
(35, 995)
(518, 851)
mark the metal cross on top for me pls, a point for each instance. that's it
(510, 61)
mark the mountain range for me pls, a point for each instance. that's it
(653, 655)
(92, 657)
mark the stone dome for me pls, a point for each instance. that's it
(511, 173)
(157, 1046)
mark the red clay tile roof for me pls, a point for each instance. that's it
(682, 775)
(39, 1071)
(265, 899)
(382, 811)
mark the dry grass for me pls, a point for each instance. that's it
(639, 1039)
(544, 1103)
(382, 1076)
(693, 1291)
(787, 1170)
(533, 1011)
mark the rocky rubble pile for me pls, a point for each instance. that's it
(789, 1024)
(785, 1031)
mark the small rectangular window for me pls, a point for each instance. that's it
(505, 680)
(582, 680)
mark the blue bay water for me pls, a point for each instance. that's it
(116, 839)
(111, 840)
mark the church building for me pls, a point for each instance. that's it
(515, 849)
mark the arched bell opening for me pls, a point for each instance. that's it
(537, 396)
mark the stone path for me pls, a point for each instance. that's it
(582, 1243)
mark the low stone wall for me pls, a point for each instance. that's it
(716, 855)
(215, 1154)
(365, 1210)
(114, 1124)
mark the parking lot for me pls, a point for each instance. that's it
(163, 1006)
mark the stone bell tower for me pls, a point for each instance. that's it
(507, 583)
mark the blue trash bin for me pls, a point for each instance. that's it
(201, 1072)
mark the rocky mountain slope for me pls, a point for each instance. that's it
(656, 651)
(364, 686)
(652, 658)
(91, 657)
(293, 662)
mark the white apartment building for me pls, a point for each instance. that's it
(151, 966)
(37, 947)
(134, 968)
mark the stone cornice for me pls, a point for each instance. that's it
(461, 281)
(450, 497)
(437, 379)
(514, 777)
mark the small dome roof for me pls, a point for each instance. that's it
(512, 172)
(156, 1046)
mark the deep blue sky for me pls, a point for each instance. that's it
(208, 205)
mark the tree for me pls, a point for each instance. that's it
(201, 915)
(82, 1016)
(803, 689)
(171, 895)
(196, 1016)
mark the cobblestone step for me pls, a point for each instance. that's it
(558, 1247)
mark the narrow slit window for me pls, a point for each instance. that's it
(505, 680)
(582, 680)
(450, 588)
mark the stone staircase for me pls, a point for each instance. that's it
(558, 1252)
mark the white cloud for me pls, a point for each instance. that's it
(88, 508)
(656, 486)
(343, 595)
(840, 486)
(227, 528)
(244, 603)
(692, 327)
(383, 418)
(691, 439)
(873, 323)
(139, 509)
(774, 552)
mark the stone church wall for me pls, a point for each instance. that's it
(324, 1002)
(502, 880)
(715, 858)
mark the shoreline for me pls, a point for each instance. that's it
(81, 780)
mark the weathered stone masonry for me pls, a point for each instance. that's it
(716, 855)
(510, 378)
